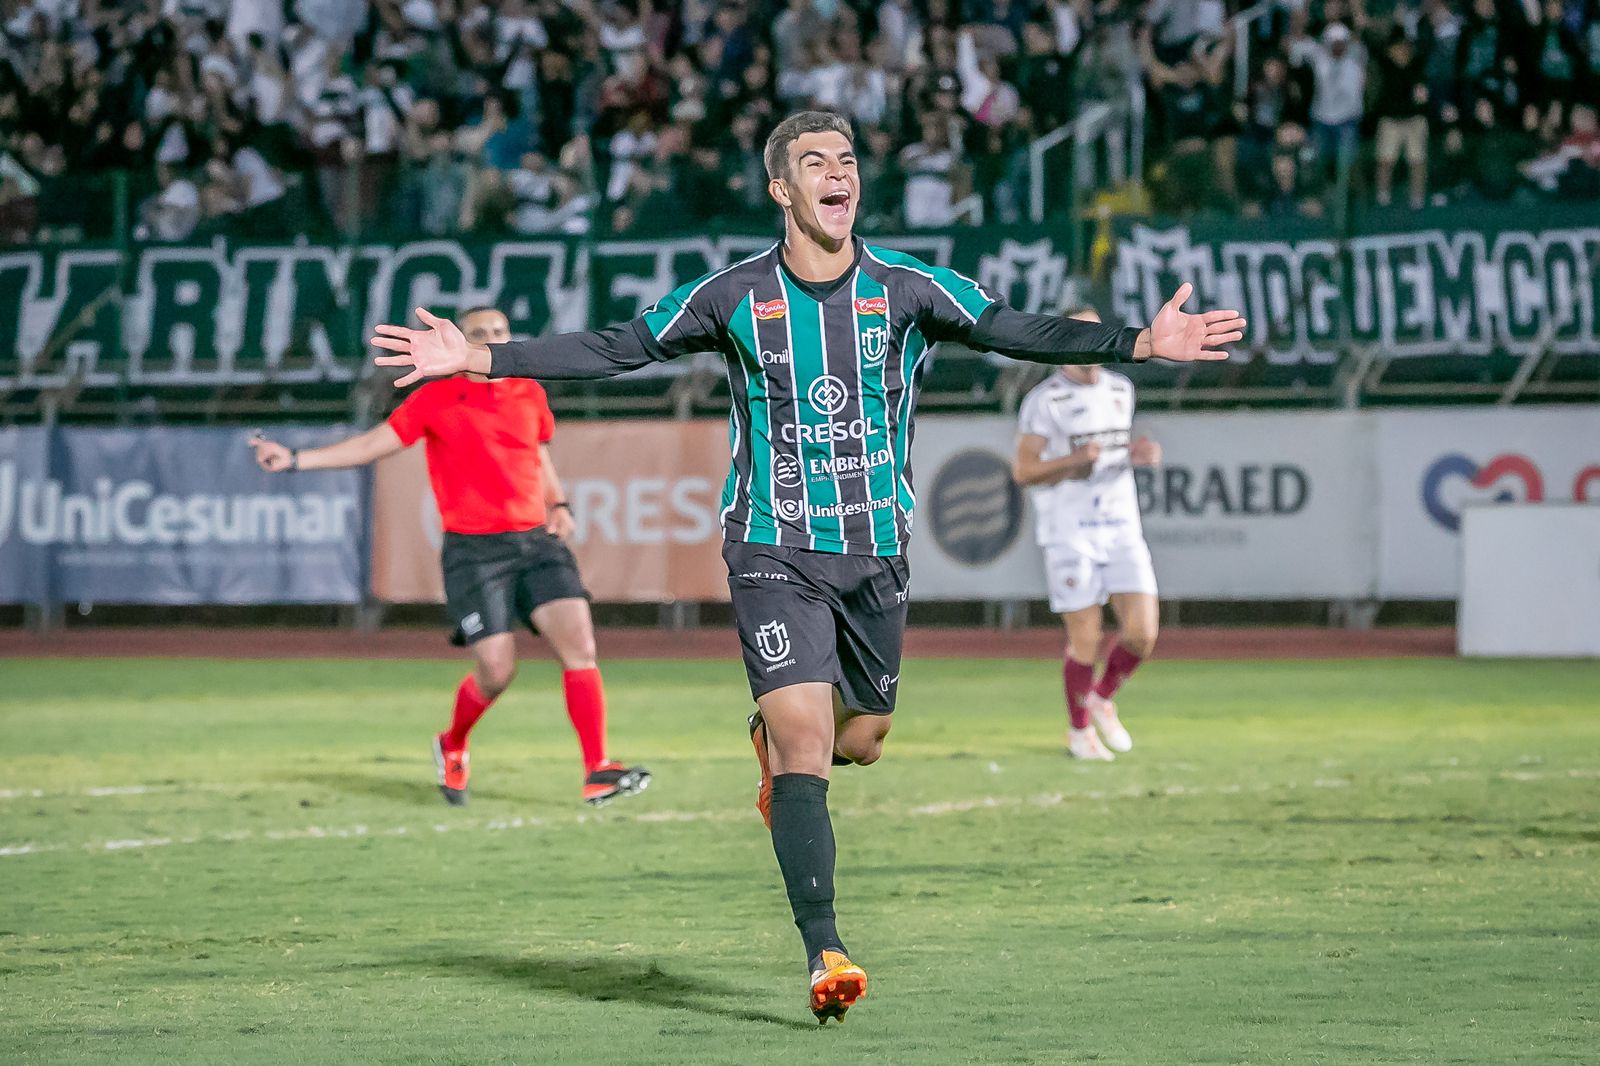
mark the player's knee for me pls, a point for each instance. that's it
(495, 676)
(868, 753)
(579, 655)
(1141, 642)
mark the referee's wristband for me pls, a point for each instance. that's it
(562, 505)
(294, 458)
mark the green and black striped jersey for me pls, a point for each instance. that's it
(824, 379)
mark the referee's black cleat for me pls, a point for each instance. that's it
(610, 780)
(452, 764)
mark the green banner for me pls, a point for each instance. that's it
(1462, 282)
(238, 314)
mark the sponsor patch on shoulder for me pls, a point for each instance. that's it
(872, 305)
(771, 309)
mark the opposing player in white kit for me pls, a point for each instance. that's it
(1075, 455)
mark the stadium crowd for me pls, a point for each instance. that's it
(498, 117)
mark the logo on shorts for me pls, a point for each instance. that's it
(772, 641)
(786, 470)
(771, 309)
(790, 510)
(885, 683)
(828, 395)
(472, 624)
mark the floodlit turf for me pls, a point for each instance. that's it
(1339, 862)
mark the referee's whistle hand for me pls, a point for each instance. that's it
(270, 455)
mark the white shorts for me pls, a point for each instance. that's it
(1080, 578)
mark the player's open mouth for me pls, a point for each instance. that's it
(836, 205)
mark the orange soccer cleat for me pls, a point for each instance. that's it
(836, 984)
(611, 779)
(452, 764)
(758, 737)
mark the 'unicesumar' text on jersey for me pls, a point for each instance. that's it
(1068, 415)
(824, 380)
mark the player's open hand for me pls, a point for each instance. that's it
(435, 352)
(1182, 337)
(1144, 452)
(271, 456)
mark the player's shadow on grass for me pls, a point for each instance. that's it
(604, 980)
(416, 790)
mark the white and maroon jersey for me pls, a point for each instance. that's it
(1069, 415)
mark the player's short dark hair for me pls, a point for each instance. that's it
(792, 129)
(479, 309)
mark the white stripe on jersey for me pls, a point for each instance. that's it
(924, 274)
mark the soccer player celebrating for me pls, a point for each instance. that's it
(826, 339)
(505, 562)
(1075, 455)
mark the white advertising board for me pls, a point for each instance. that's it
(1432, 464)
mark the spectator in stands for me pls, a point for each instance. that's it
(174, 212)
(934, 176)
(1401, 104)
(1570, 168)
(1339, 69)
(1201, 164)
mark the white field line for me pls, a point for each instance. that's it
(105, 791)
(928, 810)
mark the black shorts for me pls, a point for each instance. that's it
(494, 581)
(815, 616)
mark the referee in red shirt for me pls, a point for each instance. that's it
(505, 560)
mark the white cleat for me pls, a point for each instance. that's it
(1085, 744)
(1104, 713)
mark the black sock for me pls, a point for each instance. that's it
(802, 837)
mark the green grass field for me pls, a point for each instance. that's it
(1341, 862)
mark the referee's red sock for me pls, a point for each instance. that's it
(586, 706)
(1119, 665)
(470, 705)
(1079, 679)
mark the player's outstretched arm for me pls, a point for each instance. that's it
(441, 349)
(1182, 337)
(359, 450)
(1174, 334)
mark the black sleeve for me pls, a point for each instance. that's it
(600, 353)
(1049, 338)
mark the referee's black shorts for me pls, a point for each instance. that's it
(494, 581)
(817, 616)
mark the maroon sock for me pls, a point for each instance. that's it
(470, 705)
(1079, 679)
(586, 706)
(1119, 665)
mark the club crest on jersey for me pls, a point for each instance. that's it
(772, 641)
(872, 305)
(874, 343)
(771, 309)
